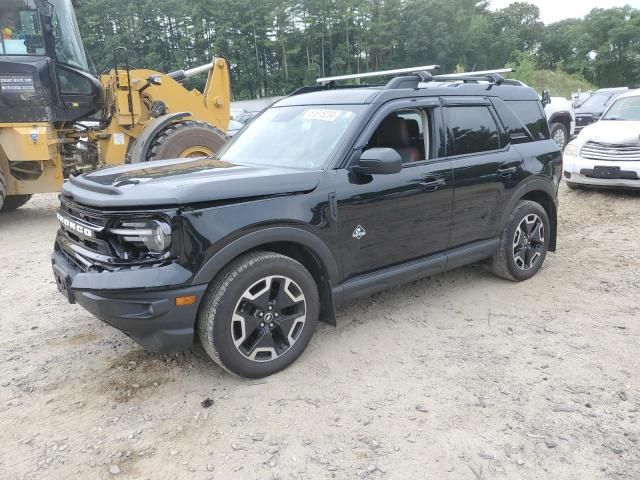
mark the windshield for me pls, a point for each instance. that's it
(69, 47)
(298, 137)
(20, 28)
(627, 108)
(596, 102)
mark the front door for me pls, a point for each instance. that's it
(389, 219)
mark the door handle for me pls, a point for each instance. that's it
(505, 172)
(431, 184)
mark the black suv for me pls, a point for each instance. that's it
(327, 195)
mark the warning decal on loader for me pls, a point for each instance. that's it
(17, 84)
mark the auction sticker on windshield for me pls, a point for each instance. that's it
(321, 114)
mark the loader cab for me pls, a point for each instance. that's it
(44, 72)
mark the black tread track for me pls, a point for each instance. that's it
(3, 191)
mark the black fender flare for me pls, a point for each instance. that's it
(533, 185)
(252, 240)
(143, 142)
(559, 117)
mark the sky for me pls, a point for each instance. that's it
(555, 10)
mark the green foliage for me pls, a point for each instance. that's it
(559, 83)
(275, 46)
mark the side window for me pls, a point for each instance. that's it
(408, 132)
(20, 29)
(474, 130)
(72, 83)
(530, 115)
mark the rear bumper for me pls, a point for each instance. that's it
(149, 316)
(580, 170)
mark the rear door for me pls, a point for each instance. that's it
(485, 168)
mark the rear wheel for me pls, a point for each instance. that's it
(187, 140)
(559, 134)
(259, 314)
(523, 244)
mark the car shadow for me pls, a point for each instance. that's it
(618, 192)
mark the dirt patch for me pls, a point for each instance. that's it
(460, 376)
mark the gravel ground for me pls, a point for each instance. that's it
(460, 376)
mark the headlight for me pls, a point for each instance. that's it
(572, 150)
(154, 234)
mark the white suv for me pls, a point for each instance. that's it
(607, 153)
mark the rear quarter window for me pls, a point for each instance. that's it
(531, 116)
(473, 128)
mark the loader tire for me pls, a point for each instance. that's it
(3, 191)
(187, 140)
(12, 202)
(9, 203)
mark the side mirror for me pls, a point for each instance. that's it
(379, 161)
(546, 98)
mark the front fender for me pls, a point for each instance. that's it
(269, 235)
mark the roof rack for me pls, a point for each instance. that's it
(382, 73)
(491, 76)
(410, 77)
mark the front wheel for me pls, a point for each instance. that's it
(259, 314)
(523, 244)
(559, 134)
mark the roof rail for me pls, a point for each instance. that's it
(382, 73)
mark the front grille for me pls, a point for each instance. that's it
(84, 213)
(611, 152)
(583, 120)
(89, 217)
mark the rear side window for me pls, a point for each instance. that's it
(531, 116)
(473, 128)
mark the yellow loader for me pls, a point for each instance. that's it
(58, 119)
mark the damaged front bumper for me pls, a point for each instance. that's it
(139, 302)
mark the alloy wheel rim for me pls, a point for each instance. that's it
(197, 151)
(559, 137)
(268, 319)
(528, 242)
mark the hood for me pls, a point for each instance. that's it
(185, 181)
(611, 131)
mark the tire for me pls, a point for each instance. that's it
(186, 139)
(13, 202)
(572, 186)
(559, 134)
(9, 203)
(508, 264)
(230, 325)
(3, 191)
